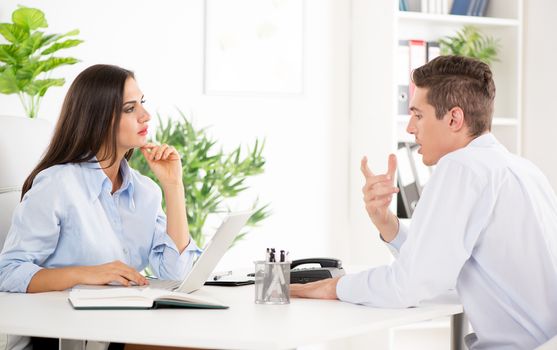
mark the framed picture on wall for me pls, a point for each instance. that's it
(254, 46)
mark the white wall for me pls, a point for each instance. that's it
(311, 176)
(540, 75)
(307, 149)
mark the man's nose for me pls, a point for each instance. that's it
(410, 128)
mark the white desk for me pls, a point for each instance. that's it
(244, 326)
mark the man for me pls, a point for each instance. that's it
(486, 223)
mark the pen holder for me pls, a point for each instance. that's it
(272, 282)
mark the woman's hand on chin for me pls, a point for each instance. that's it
(164, 161)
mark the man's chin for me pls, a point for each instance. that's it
(429, 162)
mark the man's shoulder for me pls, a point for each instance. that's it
(480, 159)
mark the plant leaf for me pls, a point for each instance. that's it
(8, 54)
(470, 42)
(62, 45)
(29, 18)
(13, 33)
(55, 62)
(27, 47)
(8, 82)
(39, 87)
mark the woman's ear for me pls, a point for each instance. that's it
(456, 118)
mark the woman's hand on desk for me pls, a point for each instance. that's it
(46, 280)
(114, 272)
(324, 289)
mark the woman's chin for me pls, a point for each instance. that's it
(140, 143)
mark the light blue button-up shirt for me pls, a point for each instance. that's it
(70, 218)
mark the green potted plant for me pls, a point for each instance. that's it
(210, 175)
(470, 42)
(28, 59)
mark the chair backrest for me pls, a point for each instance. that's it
(22, 143)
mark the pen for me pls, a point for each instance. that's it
(220, 275)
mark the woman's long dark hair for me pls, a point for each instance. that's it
(88, 121)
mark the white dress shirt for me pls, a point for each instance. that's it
(70, 218)
(486, 224)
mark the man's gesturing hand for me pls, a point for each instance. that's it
(378, 193)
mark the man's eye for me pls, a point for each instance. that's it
(418, 116)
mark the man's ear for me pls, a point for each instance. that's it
(456, 118)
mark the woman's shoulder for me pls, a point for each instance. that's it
(58, 172)
(54, 181)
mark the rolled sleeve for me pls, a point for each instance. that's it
(165, 259)
(15, 278)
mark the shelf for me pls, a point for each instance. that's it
(504, 122)
(454, 19)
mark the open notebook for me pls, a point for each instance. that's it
(167, 293)
(137, 298)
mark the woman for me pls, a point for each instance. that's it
(85, 216)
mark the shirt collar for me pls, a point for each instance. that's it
(484, 140)
(97, 181)
(127, 182)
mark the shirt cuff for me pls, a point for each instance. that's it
(167, 242)
(395, 245)
(175, 265)
(20, 278)
(350, 288)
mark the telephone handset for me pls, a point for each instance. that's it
(329, 268)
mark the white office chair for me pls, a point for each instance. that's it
(551, 344)
(22, 142)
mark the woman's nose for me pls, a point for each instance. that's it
(145, 116)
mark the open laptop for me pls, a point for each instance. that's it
(214, 251)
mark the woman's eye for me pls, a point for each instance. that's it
(142, 101)
(129, 110)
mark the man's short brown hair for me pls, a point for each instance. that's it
(456, 81)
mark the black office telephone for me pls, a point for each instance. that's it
(328, 268)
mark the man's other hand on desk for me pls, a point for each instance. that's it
(324, 289)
